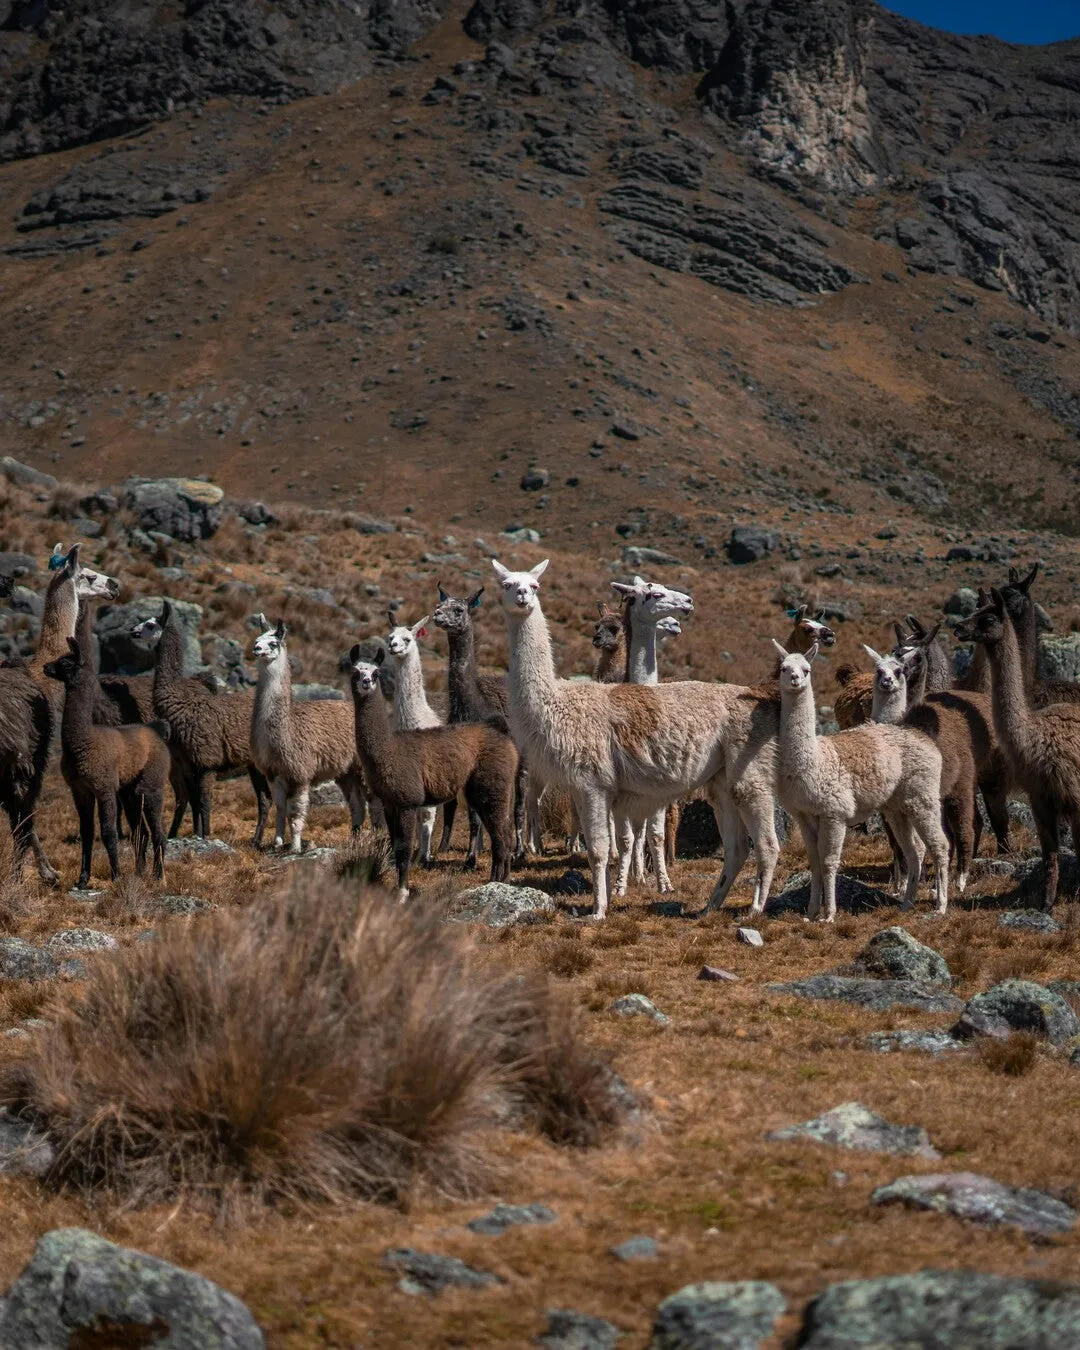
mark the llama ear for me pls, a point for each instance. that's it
(538, 571)
(931, 636)
(280, 630)
(354, 654)
(622, 588)
(781, 650)
(798, 614)
(1014, 576)
(873, 655)
(901, 636)
(601, 609)
(262, 621)
(166, 610)
(984, 598)
(419, 629)
(811, 655)
(71, 562)
(1026, 583)
(639, 582)
(390, 618)
(73, 647)
(379, 657)
(499, 568)
(915, 626)
(442, 594)
(474, 599)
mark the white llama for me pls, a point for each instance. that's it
(412, 711)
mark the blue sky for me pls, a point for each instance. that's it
(1035, 21)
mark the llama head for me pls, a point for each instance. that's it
(402, 640)
(520, 590)
(150, 630)
(890, 675)
(364, 673)
(651, 600)
(608, 630)
(795, 667)
(66, 668)
(454, 615)
(668, 627)
(270, 645)
(1017, 599)
(88, 585)
(986, 625)
(806, 630)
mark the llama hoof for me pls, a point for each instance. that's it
(961, 883)
(403, 894)
(469, 864)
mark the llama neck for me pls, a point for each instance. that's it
(978, 673)
(531, 673)
(411, 708)
(641, 665)
(373, 733)
(798, 733)
(169, 658)
(58, 620)
(273, 693)
(891, 706)
(611, 665)
(462, 673)
(1027, 637)
(916, 688)
(1012, 710)
(79, 699)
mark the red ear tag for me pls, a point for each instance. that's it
(422, 633)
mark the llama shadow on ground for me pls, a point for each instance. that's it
(852, 897)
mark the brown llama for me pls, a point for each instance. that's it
(408, 770)
(1021, 610)
(211, 731)
(805, 631)
(103, 764)
(1042, 745)
(609, 639)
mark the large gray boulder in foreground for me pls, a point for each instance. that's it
(499, 904)
(944, 1310)
(80, 1289)
(736, 1316)
(893, 954)
(1018, 1005)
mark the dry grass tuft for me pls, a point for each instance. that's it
(366, 861)
(1022, 963)
(1014, 1057)
(568, 958)
(129, 900)
(965, 963)
(620, 931)
(327, 1044)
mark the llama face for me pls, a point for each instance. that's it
(608, 633)
(403, 640)
(148, 632)
(454, 615)
(653, 601)
(88, 585)
(668, 627)
(889, 674)
(794, 668)
(520, 590)
(365, 678)
(986, 625)
(270, 646)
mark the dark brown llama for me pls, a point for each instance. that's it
(1042, 745)
(1021, 610)
(609, 639)
(408, 770)
(103, 764)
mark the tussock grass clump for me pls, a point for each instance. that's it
(620, 931)
(327, 1044)
(366, 862)
(965, 963)
(1022, 963)
(1013, 1057)
(568, 958)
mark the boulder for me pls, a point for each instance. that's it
(81, 940)
(22, 475)
(749, 544)
(570, 1330)
(1059, 657)
(699, 834)
(1032, 920)
(641, 1248)
(982, 1200)
(943, 1310)
(716, 975)
(893, 954)
(181, 905)
(21, 960)
(736, 1316)
(853, 1125)
(79, 1288)
(192, 847)
(926, 1042)
(877, 995)
(183, 508)
(502, 1217)
(429, 1273)
(499, 904)
(121, 654)
(852, 896)
(962, 602)
(638, 555)
(1018, 1005)
(10, 563)
(532, 480)
(637, 1005)
(24, 1150)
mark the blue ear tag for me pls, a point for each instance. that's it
(57, 561)
(792, 613)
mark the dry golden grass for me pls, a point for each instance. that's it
(1013, 1057)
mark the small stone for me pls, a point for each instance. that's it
(750, 936)
(182, 904)
(637, 555)
(927, 1042)
(503, 1217)
(715, 973)
(737, 1316)
(626, 430)
(1035, 920)
(637, 1249)
(855, 1126)
(429, 1273)
(24, 1150)
(637, 1005)
(81, 940)
(569, 1330)
(572, 882)
(22, 475)
(532, 480)
(192, 846)
(982, 1200)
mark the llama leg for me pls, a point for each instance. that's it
(402, 830)
(427, 828)
(624, 837)
(759, 819)
(107, 819)
(808, 828)
(493, 803)
(476, 839)
(180, 793)
(261, 789)
(736, 845)
(960, 818)
(996, 800)
(911, 846)
(280, 790)
(657, 847)
(521, 788)
(1049, 828)
(830, 842)
(641, 829)
(84, 805)
(671, 832)
(534, 791)
(206, 794)
(449, 815)
(594, 812)
(131, 808)
(300, 815)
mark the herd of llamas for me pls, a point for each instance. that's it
(916, 745)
